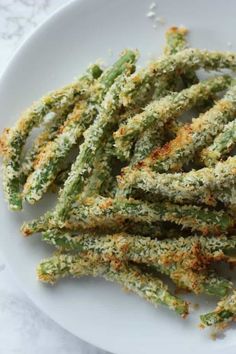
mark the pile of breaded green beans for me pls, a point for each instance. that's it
(141, 191)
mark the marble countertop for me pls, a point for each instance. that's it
(24, 329)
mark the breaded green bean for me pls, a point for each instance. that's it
(140, 84)
(146, 250)
(101, 176)
(175, 42)
(145, 228)
(224, 313)
(130, 277)
(13, 140)
(51, 128)
(131, 248)
(206, 185)
(112, 213)
(109, 212)
(48, 163)
(103, 213)
(157, 113)
(203, 282)
(222, 145)
(48, 134)
(94, 137)
(150, 139)
(195, 136)
(153, 137)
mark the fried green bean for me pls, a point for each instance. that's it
(157, 113)
(150, 138)
(195, 136)
(206, 185)
(143, 195)
(125, 248)
(159, 254)
(108, 212)
(224, 313)
(130, 277)
(146, 250)
(203, 282)
(145, 228)
(153, 137)
(140, 84)
(101, 175)
(175, 42)
(221, 146)
(13, 140)
(51, 128)
(94, 137)
(113, 212)
(48, 164)
(133, 87)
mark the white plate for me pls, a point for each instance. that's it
(60, 49)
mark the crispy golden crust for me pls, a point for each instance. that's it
(3, 142)
(174, 29)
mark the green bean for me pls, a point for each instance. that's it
(145, 228)
(48, 164)
(13, 140)
(113, 212)
(203, 282)
(224, 313)
(206, 185)
(62, 176)
(157, 254)
(222, 145)
(107, 212)
(215, 285)
(175, 42)
(154, 136)
(51, 129)
(144, 249)
(81, 169)
(195, 136)
(140, 84)
(159, 112)
(101, 176)
(129, 276)
(150, 138)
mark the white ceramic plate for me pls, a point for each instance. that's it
(60, 49)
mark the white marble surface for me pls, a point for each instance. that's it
(24, 329)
